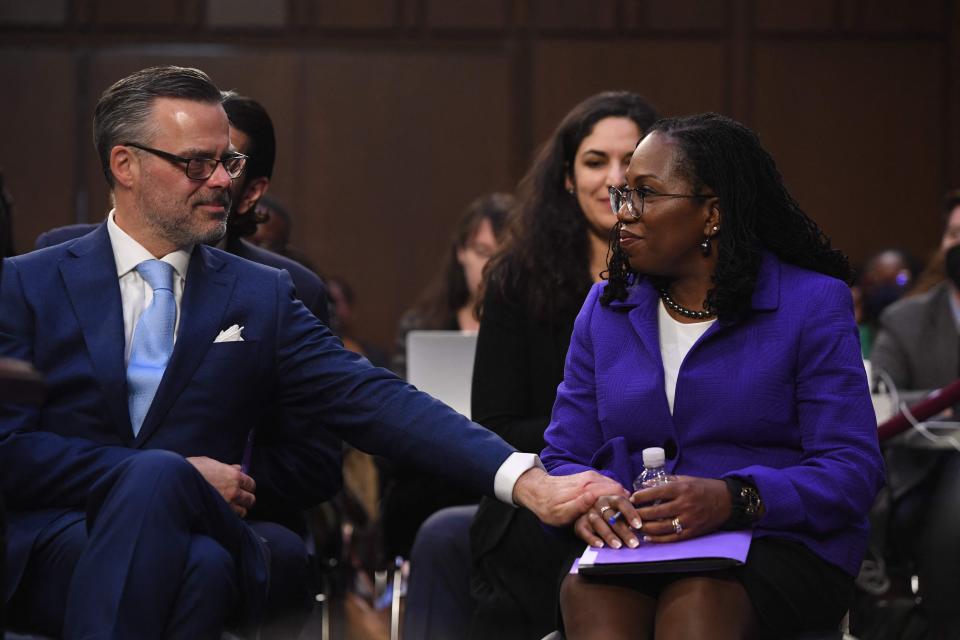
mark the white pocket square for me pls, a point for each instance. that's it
(230, 335)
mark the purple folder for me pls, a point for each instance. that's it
(717, 550)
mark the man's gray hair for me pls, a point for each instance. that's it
(123, 111)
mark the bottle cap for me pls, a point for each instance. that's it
(653, 457)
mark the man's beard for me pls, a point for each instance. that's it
(184, 228)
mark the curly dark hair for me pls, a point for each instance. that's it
(547, 252)
(757, 212)
(448, 290)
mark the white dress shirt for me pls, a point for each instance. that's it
(135, 293)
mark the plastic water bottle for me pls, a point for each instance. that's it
(653, 472)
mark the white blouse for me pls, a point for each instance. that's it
(676, 339)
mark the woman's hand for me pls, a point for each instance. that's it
(698, 505)
(595, 528)
(689, 507)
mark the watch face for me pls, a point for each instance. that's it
(752, 498)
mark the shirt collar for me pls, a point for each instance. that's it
(128, 253)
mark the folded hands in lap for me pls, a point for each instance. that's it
(698, 505)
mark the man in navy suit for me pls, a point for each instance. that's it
(126, 517)
(252, 134)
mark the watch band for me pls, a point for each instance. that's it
(746, 506)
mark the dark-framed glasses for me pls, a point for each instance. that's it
(636, 199)
(199, 168)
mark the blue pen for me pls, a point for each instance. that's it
(247, 453)
(612, 520)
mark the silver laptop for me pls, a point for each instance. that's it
(441, 364)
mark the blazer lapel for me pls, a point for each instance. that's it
(99, 312)
(641, 307)
(205, 297)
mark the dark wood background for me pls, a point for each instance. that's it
(392, 115)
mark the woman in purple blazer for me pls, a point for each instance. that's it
(725, 335)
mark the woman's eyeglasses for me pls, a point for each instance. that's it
(636, 199)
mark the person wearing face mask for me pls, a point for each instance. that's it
(886, 277)
(916, 348)
(556, 249)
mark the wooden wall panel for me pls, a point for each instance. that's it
(676, 77)
(859, 147)
(351, 14)
(687, 14)
(37, 12)
(398, 144)
(896, 16)
(248, 14)
(466, 14)
(122, 13)
(38, 141)
(574, 14)
(790, 15)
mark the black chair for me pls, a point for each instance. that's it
(18, 381)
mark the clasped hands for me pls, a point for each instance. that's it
(698, 505)
(234, 485)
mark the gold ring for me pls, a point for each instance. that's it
(604, 509)
(677, 527)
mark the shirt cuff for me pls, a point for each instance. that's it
(510, 471)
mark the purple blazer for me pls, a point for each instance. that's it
(779, 398)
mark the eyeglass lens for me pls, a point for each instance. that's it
(617, 198)
(203, 168)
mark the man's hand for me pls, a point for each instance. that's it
(234, 485)
(559, 500)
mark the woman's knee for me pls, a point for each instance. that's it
(602, 609)
(699, 607)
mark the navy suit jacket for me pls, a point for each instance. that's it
(310, 288)
(60, 309)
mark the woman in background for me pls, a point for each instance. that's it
(556, 248)
(448, 302)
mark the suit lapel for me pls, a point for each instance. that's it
(99, 312)
(206, 295)
(643, 299)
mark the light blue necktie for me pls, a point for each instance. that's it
(152, 341)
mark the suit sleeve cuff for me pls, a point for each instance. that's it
(510, 471)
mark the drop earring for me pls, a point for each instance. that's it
(705, 246)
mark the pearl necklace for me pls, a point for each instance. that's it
(689, 313)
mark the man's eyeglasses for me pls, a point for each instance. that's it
(199, 168)
(635, 199)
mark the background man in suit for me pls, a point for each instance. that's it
(126, 491)
(251, 132)
(917, 347)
